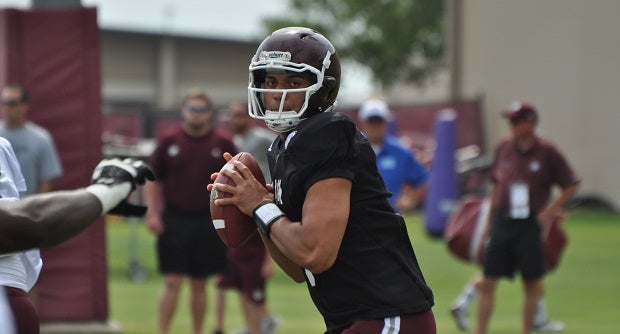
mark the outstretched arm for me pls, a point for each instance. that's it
(45, 220)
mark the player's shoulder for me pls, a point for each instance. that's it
(321, 137)
(327, 122)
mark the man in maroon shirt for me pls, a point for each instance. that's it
(187, 244)
(524, 171)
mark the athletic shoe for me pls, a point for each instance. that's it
(549, 326)
(269, 324)
(460, 316)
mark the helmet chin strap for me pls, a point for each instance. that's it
(285, 125)
(332, 107)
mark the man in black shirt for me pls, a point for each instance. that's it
(327, 220)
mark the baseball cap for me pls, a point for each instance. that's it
(374, 109)
(521, 111)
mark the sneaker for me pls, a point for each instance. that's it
(549, 326)
(460, 316)
(269, 324)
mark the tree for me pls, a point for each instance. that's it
(399, 40)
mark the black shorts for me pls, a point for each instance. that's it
(514, 245)
(190, 246)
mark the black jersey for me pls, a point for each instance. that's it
(376, 273)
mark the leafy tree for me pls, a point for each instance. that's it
(399, 40)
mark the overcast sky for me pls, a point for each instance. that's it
(226, 18)
(235, 19)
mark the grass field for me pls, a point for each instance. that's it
(584, 291)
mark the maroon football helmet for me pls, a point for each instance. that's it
(300, 50)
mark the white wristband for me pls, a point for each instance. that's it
(110, 195)
(266, 214)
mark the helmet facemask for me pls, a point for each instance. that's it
(280, 62)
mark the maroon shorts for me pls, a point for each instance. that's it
(418, 323)
(244, 270)
(26, 318)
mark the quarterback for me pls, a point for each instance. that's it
(327, 220)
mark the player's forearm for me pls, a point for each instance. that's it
(292, 269)
(50, 218)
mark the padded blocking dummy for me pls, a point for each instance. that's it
(55, 53)
(442, 188)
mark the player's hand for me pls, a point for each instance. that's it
(115, 171)
(227, 156)
(112, 172)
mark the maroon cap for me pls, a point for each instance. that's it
(521, 111)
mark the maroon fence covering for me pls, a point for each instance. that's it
(55, 53)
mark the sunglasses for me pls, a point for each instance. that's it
(10, 103)
(519, 120)
(196, 109)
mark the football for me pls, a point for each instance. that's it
(232, 225)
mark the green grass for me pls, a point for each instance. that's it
(584, 291)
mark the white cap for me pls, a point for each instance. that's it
(374, 108)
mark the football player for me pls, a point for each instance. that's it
(327, 220)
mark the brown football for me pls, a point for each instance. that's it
(233, 226)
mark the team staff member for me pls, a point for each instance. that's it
(187, 244)
(328, 221)
(33, 144)
(525, 170)
(403, 175)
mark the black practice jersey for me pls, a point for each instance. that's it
(376, 273)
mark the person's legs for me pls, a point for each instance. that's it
(206, 258)
(172, 264)
(220, 307)
(468, 294)
(532, 290)
(198, 303)
(541, 319)
(268, 322)
(460, 307)
(168, 301)
(486, 303)
(250, 314)
(528, 250)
